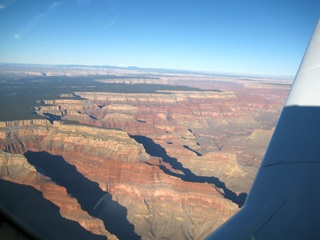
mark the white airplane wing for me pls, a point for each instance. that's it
(284, 202)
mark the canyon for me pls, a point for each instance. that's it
(120, 156)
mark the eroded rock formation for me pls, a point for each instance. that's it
(158, 205)
(168, 164)
(16, 168)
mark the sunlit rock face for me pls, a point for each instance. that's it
(157, 204)
(206, 131)
(16, 168)
(170, 164)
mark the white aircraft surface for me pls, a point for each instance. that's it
(284, 201)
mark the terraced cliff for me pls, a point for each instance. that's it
(170, 164)
(63, 161)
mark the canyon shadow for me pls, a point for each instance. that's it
(92, 199)
(157, 151)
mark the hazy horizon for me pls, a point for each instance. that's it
(160, 70)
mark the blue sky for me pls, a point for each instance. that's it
(265, 37)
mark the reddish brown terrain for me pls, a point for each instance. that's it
(170, 164)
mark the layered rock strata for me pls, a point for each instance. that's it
(188, 124)
(158, 205)
(15, 168)
(170, 164)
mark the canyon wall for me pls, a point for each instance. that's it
(161, 165)
(157, 204)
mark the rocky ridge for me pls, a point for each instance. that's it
(175, 164)
(15, 168)
(216, 120)
(133, 178)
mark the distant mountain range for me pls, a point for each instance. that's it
(6, 66)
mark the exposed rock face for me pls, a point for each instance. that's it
(15, 168)
(192, 126)
(170, 164)
(158, 205)
(20, 136)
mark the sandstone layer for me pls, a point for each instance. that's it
(158, 205)
(169, 164)
(15, 168)
(191, 126)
